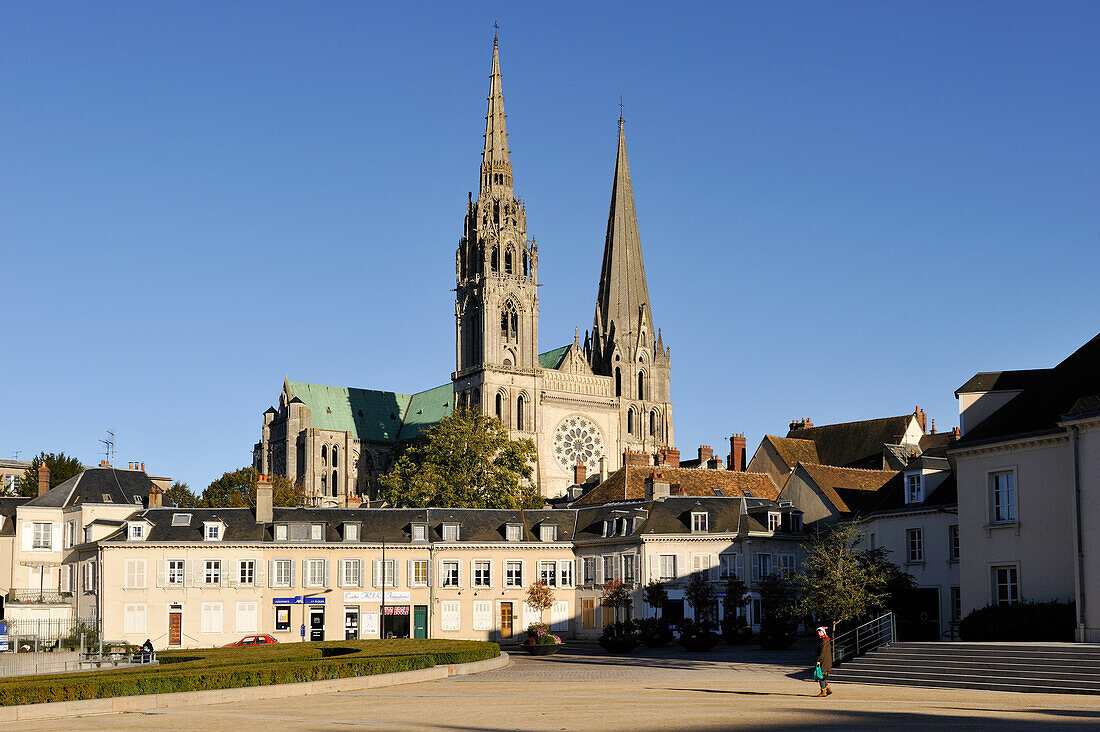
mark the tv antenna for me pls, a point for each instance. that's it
(17, 454)
(109, 446)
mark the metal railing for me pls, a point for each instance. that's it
(39, 633)
(873, 634)
(38, 597)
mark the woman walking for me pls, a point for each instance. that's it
(824, 660)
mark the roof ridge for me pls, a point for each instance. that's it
(842, 467)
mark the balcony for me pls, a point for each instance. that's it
(38, 597)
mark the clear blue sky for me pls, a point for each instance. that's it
(846, 208)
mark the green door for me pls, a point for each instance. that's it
(420, 621)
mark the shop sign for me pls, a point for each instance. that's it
(376, 596)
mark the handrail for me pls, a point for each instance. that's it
(870, 635)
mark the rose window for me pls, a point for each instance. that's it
(578, 440)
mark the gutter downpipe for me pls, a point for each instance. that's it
(1080, 540)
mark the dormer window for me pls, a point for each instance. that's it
(316, 532)
(914, 488)
(626, 526)
(419, 532)
(548, 532)
(351, 532)
(699, 522)
(513, 532)
(775, 520)
(796, 522)
(450, 532)
(137, 500)
(181, 519)
(107, 498)
(136, 532)
(280, 532)
(609, 527)
(212, 531)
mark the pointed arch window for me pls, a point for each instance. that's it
(463, 400)
(653, 423)
(324, 455)
(495, 261)
(526, 265)
(618, 382)
(519, 412)
(500, 407)
(475, 398)
(335, 457)
(508, 259)
(630, 422)
(641, 384)
(509, 323)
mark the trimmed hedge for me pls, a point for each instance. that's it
(230, 668)
(1022, 621)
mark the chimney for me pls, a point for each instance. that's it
(657, 487)
(143, 467)
(933, 426)
(922, 419)
(43, 477)
(715, 463)
(954, 433)
(669, 456)
(737, 453)
(265, 500)
(603, 469)
(579, 473)
(353, 501)
(156, 496)
(798, 424)
(705, 454)
(631, 457)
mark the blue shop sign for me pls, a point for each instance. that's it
(314, 600)
(287, 600)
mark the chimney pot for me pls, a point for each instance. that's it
(706, 452)
(736, 460)
(43, 478)
(265, 500)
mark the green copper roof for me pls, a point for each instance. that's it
(368, 414)
(426, 409)
(553, 359)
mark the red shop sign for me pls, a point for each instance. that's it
(396, 610)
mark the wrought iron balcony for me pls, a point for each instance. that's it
(38, 597)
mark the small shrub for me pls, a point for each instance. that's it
(619, 637)
(654, 632)
(695, 636)
(1022, 621)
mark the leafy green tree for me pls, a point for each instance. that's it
(700, 596)
(181, 495)
(467, 461)
(238, 490)
(617, 597)
(655, 594)
(838, 583)
(62, 467)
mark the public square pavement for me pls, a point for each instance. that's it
(582, 688)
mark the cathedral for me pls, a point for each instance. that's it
(588, 405)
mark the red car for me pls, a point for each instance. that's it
(252, 640)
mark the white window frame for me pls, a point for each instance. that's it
(700, 521)
(953, 543)
(666, 566)
(211, 531)
(451, 532)
(728, 565)
(630, 568)
(41, 535)
(70, 534)
(775, 521)
(316, 532)
(315, 575)
(588, 567)
(513, 532)
(1003, 501)
(281, 532)
(548, 572)
(175, 577)
(419, 575)
(914, 545)
(351, 532)
(565, 573)
(351, 572)
(419, 532)
(135, 531)
(248, 580)
(1012, 584)
(211, 572)
(548, 532)
(481, 573)
(513, 573)
(280, 566)
(914, 488)
(450, 571)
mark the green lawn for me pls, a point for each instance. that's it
(227, 668)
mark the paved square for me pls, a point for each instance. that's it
(665, 689)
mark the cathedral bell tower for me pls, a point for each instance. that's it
(496, 305)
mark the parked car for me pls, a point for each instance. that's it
(252, 640)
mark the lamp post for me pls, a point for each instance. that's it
(382, 605)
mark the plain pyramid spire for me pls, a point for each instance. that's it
(496, 163)
(622, 302)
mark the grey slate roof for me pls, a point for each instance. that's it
(673, 516)
(7, 510)
(98, 485)
(854, 444)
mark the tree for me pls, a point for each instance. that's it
(779, 603)
(617, 597)
(655, 595)
(540, 597)
(467, 461)
(835, 585)
(700, 596)
(62, 467)
(737, 596)
(181, 495)
(238, 490)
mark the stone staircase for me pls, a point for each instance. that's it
(1063, 668)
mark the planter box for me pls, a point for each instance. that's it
(545, 649)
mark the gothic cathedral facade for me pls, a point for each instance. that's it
(587, 404)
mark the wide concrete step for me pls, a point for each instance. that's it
(884, 667)
(931, 681)
(929, 659)
(1020, 653)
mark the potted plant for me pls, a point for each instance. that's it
(540, 642)
(618, 637)
(654, 632)
(696, 635)
(735, 627)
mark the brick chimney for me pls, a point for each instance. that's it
(580, 472)
(737, 453)
(43, 478)
(706, 452)
(265, 500)
(657, 487)
(631, 457)
(353, 501)
(669, 456)
(954, 433)
(804, 423)
(156, 496)
(603, 469)
(922, 418)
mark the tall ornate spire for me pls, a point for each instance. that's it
(496, 164)
(622, 302)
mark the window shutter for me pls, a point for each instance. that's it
(271, 571)
(431, 572)
(599, 571)
(28, 536)
(55, 537)
(162, 571)
(341, 568)
(756, 568)
(492, 569)
(522, 573)
(411, 572)
(293, 573)
(66, 578)
(259, 574)
(325, 579)
(376, 580)
(396, 573)
(713, 559)
(654, 568)
(739, 566)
